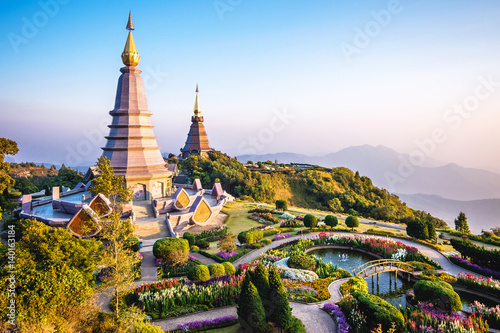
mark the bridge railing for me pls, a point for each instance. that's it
(386, 264)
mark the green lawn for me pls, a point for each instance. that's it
(237, 220)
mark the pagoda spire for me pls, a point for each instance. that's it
(196, 103)
(130, 56)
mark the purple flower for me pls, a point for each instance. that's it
(281, 236)
(226, 255)
(199, 324)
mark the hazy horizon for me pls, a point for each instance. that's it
(309, 78)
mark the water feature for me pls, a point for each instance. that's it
(388, 289)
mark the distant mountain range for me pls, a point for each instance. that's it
(391, 170)
(481, 214)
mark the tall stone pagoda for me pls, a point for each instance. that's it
(131, 144)
(197, 141)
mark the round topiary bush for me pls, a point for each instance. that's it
(195, 248)
(250, 236)
(173, 251)
(199, 273)
(379, 311)
(133, 243)
(331, 220)
(310, 221)
(301, 261)
(216, 270)
(352, 222)
(189, 237)
(229, 268)
(439, 293)
(203, 244)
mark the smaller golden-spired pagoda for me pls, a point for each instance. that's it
(197, 141)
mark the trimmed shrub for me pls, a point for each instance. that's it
(310, 221)
(421, 229)
(379, 311)
(199, 273)
(266, 241)
(331, 221)
(133, 243)
(190, 238)
(229, 268)
(173, 251)
(352, 222)
(274, 279)
(250, 236)
(281, 205)
(216, 270)
(439, 293)
(301, 261)
(355, 284)
(195, 248)
(202, 244)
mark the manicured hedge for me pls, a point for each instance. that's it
(250, 236)
(189, 236)
(216, 270)
(477, 255)
(166, 248)
(228, 268)
(379, 311)
(439, 293)
(199, 273)
(301, 261)
(133, 243)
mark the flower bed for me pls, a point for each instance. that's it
(198, 325)
(282, 236)
(338, 316)
(439, 277)
(295, 223)
(213, 234)
(492, 315)
(220, 260)
(226, 255)
(473, 267)
(165, 271)
(425, 318)
(478, 282)
(264, 218)
(385, 248)
(159, 298)
(302, 293)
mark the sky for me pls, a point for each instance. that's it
(312, 77)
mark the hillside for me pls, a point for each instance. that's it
(381, 164)
(481, 214)
(336, 190)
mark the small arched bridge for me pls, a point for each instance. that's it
(375, 267)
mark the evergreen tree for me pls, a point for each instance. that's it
(461, 223)
(274, 279)
(282, 313)
(261, 281)
(250, 310)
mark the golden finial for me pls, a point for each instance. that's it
(196, 105)
(130, 56)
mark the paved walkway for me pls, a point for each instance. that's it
(204, 260)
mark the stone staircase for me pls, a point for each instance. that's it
(143, 209)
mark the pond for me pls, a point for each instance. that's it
(388, 289)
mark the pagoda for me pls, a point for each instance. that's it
(131, 144)
(197, 141)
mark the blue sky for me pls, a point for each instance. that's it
(254, 60)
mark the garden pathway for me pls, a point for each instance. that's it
(204, 260)
(315, 319)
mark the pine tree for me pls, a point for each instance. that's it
(282, 313)
(461, 223)
(275, 282)
(250, 310)
(261, 281)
